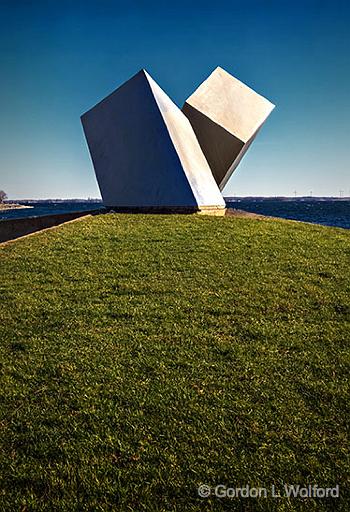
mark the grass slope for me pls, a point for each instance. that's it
(141, 356)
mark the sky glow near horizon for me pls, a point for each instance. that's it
(58, 59)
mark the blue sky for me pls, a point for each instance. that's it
(59, 58)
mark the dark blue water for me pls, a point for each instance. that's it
(41, 208)
(326, 212)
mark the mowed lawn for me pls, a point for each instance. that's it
(144, 355)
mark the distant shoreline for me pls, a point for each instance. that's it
(13, 206)
(301, 199)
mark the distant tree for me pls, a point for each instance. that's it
(3, 196)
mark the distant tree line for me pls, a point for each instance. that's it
(3, 196)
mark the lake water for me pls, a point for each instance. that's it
(41, 208)
(326, 212)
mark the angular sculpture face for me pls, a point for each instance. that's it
(225, 115)
(148, 154)
(145, 153)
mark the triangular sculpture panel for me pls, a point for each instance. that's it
(145, 152)
(225, 115)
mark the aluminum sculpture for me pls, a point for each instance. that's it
(149, 155)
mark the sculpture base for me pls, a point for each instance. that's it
(203, 210)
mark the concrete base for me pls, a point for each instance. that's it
(217, 212)
(170, 210)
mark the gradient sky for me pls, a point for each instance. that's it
(59, 58)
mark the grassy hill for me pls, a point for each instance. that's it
(144, 355)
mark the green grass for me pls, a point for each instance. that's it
(143, 355)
